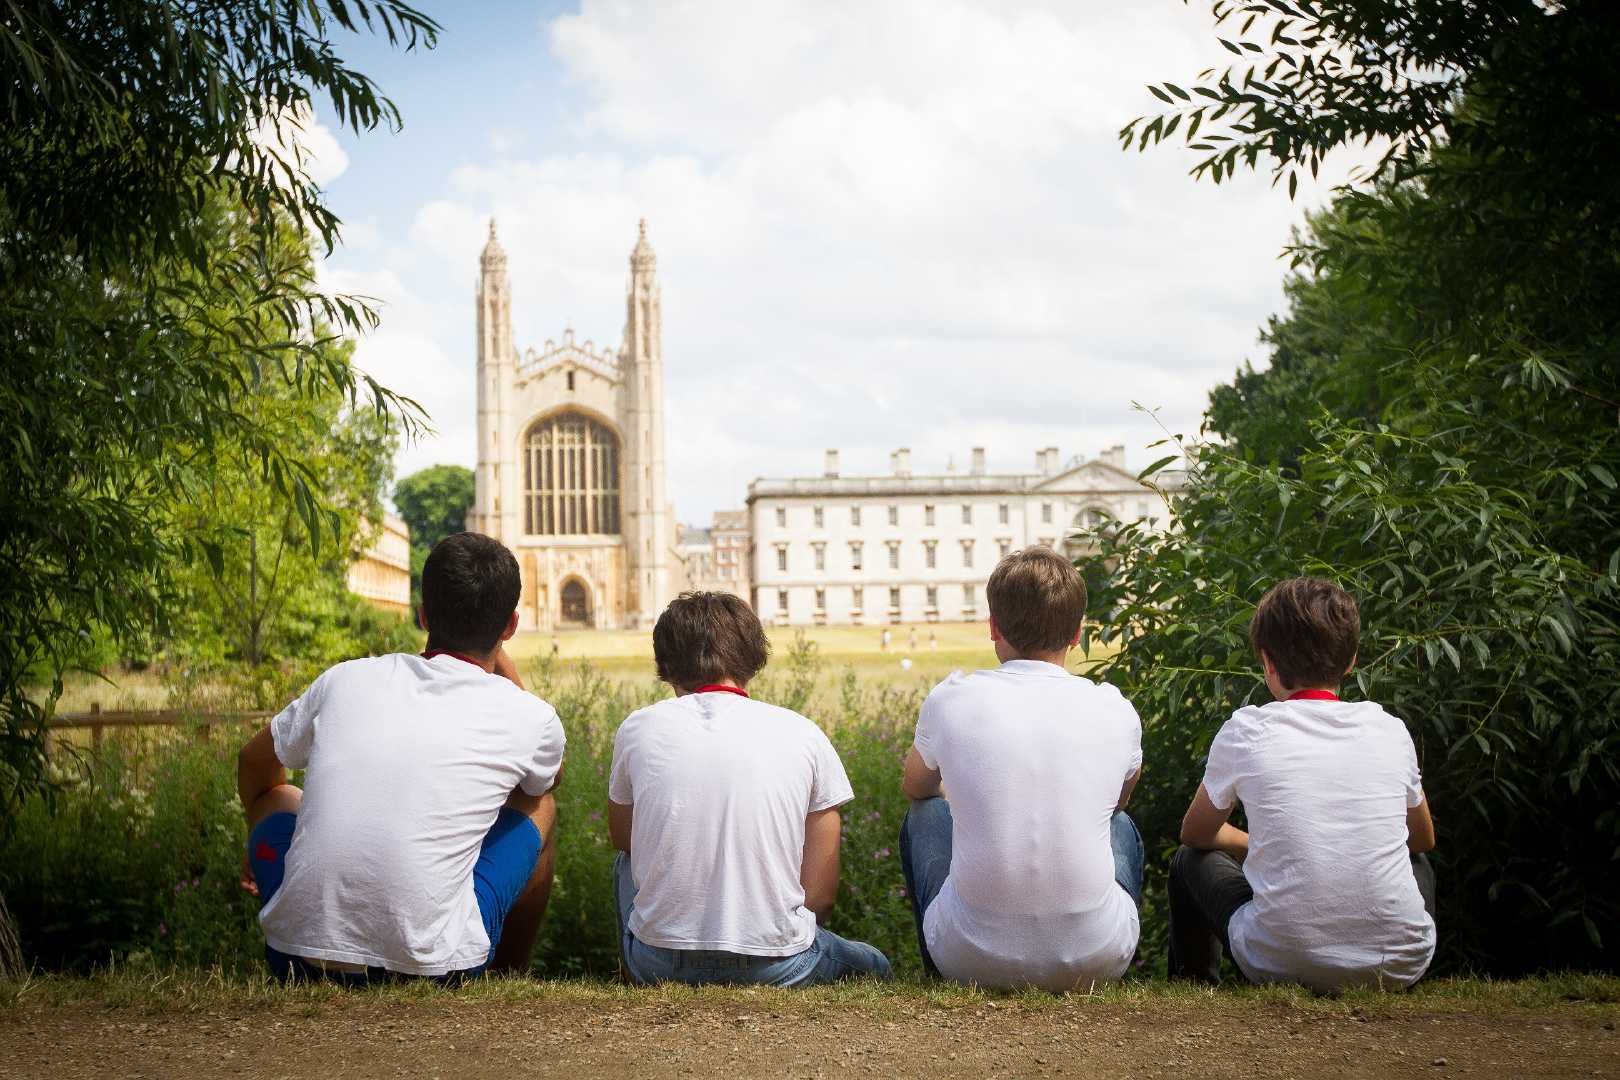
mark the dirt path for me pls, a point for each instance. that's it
(363, 1037)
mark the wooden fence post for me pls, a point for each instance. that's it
(95, 729)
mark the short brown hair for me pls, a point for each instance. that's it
(1038, 600)
(703, 637)
(1310, 628)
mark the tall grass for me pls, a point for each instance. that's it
(138, 854)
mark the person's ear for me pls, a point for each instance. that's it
(995, 631)
(1077, 632)
(1352, 667)
(511, 626)
(1265, 662)
(421, 617)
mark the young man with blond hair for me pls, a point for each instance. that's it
(1022, 866)
(1330, 886)
(725, 811)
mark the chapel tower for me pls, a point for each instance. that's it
(648, 529)
(570, 471)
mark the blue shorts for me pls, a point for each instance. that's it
(505, 863)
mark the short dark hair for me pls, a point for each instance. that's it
(703, 637)
(470, 587)
(1038, 600)
(1310, 629)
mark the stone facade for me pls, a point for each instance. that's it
(905, 548)
(382, 573)
(571, 472)
(715, 559)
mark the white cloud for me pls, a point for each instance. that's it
(878, 225)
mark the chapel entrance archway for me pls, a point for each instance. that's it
(575, 604)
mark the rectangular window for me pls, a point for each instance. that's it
(821, 518)
(781, 517)
(967, 554)
(1005, 546)
(1046, 513)
(854, 556)
(1001, 513)
(821, 600)
(855, 515)
(970, 598)
(894, 555)
(933, 597)
(781, 601)
(967, 513)
(928, 515)
(856, 594)
(894, 598)
(781, 556)
(894, 515)
(928, 553)
(821, 556)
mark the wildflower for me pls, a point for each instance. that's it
(163, 929)
(881, 853)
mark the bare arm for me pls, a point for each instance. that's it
(1205, 827)
(258, 770)
(619, 819)
(1419, 827)
(503, 665)
(1130, 786)
(819, 873)
(918, 780)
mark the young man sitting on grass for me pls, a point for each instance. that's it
(1031, 874)
(1330, 887)
(725, 813)
(421, 843)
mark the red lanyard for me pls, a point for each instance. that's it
(1314, 695)
(724, 689)
(458, 656)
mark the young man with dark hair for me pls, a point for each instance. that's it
(1333, 890)
(725, 813)
(421, 843)
(1031, 874)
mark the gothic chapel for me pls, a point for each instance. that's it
(571, 459)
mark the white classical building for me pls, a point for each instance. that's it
(571, 458)
(910, 548)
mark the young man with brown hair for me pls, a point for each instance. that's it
(725, 813)
(1330, 887)
(1031, 873)
(421, 843)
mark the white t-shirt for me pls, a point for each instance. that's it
(408, 763)
(721, 785)
(1033, 760)
(1326, 786)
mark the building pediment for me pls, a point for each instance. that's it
(1089, 476)
(566, 354)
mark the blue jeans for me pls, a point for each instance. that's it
(828, 959)
(506, 860)
(925, 859)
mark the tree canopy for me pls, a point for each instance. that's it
(150, 175)
(434, 503)
(1437, 430)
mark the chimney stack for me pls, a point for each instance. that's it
(978, 461)
(831, 471)
(1114, 455)
(901, 460)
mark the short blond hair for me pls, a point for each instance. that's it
(1038, 600)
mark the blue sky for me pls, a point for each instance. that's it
(903, 223)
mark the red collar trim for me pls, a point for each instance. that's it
(739, 691)
(431, 653)
(1314, 695)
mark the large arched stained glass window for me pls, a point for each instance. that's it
(570, 477)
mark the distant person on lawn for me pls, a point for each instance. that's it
(422, 842)
(1330, 887)
(725, 813)
(1031, 874)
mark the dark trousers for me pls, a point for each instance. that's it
(1206, 889)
